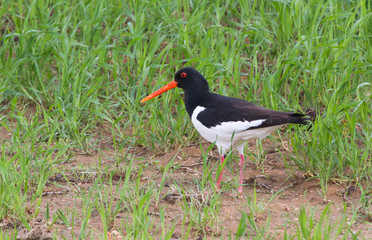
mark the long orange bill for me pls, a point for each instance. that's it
(167, 87)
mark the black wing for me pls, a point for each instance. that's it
(221, 109)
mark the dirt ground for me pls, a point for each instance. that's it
(296, 190)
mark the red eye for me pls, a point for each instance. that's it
(183, 75)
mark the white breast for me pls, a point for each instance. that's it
(206, 133)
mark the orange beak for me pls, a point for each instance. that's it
(167, 87)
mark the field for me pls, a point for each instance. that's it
(82, 158)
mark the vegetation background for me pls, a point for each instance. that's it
(82, 158)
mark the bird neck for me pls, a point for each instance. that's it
(195, 93)
(193, 98)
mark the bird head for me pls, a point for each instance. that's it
(186, 78)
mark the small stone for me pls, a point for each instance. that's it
(115, 233)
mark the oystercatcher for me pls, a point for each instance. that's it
(227, 121)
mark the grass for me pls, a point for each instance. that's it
(72, 75)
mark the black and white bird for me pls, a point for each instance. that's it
(228, 122)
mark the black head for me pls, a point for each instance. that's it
(192, 82)
(190, 79)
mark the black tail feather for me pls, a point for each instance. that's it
(301, 119)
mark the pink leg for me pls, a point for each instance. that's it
(241, 164)
(219, 178)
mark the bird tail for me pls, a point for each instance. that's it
(298, 118)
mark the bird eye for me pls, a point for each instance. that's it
(183, 75)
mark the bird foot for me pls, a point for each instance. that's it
(234, 195)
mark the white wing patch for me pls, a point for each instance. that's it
(235, 127)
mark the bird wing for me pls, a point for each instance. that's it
(236, 115)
